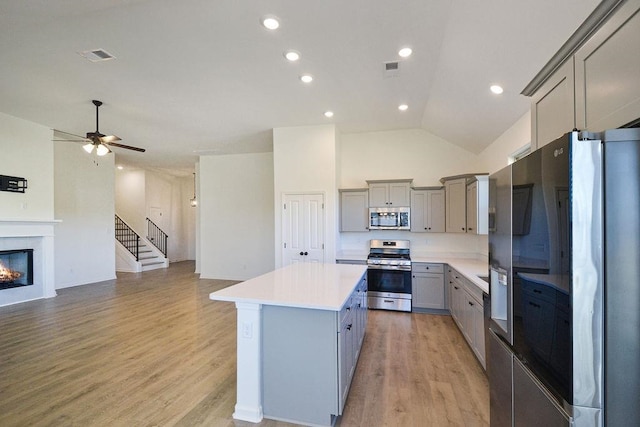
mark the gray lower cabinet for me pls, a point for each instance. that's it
(466, 308)
(309, 358)
(427, 283)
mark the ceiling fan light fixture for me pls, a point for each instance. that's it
(88, 147)
(102, 150)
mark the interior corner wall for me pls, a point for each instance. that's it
(304, 161)
(84, 201)
(236, 216)
(27, 152)
(496, 155)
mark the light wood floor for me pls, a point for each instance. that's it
(150, 349)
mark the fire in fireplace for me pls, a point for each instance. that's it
(16, 268)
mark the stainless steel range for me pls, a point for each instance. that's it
(389, 275)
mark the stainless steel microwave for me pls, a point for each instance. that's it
(389, 218)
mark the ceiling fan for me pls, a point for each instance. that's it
(98, 140)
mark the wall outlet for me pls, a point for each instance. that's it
(247, 330)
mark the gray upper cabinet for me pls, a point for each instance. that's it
(389, 194)
(608, 73)
(553, 107)
(456, 211)
(427, 210)
(354, 210)
(593, 81)
(478, 205)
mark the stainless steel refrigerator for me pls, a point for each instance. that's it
(564, 249)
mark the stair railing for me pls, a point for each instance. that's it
(156, 236)
(129, 238)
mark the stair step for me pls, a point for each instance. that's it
(145, 264)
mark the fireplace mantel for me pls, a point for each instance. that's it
(27, 227)
(37, 234)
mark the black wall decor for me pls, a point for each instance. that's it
(12, 183)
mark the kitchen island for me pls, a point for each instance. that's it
(299, 333)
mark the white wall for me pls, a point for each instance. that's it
(304, 161)
(26, 151)
(496, 155)
(413, 153)
(236, 211)
(84, 201)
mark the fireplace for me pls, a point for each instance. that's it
(16, 268)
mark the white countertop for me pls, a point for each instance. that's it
(314, 286)
(471, 268)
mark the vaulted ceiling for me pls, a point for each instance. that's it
(196, 77)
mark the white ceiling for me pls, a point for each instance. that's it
(198, 77)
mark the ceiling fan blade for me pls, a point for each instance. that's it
(71, 140)
(71, 134)
(128, 147)
(109, 138)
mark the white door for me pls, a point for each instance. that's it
(303, 228)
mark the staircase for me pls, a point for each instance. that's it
(135, 253)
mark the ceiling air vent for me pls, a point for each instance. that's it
(97, 55)
(391, 69)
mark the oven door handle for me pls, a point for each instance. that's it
(389, 267)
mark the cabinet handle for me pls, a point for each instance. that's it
(388, 300)
(470, 303)
(413, 276)
(456, 287)
(301, 253)
(462, 228)
(470, 229)
(349, 326)
(348, 308)
(426, 228)
(427, 268)
(537, 291)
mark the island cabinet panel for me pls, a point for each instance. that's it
(310, 357)
(300, 364)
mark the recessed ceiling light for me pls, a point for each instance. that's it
(292, 55)
(306, 78)
(270, 22)
(120, 167)
(496, 89)
(405, 52)
(403, 107)
(328, 114)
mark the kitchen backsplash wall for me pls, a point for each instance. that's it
(439, 244)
